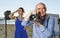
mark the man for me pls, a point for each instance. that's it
(44, 25)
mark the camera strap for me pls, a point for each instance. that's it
(47, 21)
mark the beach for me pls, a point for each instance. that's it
(11, 30)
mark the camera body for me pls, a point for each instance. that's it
(7, 14)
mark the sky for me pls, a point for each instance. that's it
(53, 6)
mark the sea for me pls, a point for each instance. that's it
(7, 21)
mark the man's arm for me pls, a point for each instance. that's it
(26, 21)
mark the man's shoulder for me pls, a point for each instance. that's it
(52, 17)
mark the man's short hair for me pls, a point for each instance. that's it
(43, 5)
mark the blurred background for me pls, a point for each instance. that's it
(53, 8)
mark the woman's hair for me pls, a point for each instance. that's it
(22, 9)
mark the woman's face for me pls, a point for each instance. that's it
(20, 12)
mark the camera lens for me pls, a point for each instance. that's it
(33, 17)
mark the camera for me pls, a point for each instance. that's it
(33, 17)
(7, 14)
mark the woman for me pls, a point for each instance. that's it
(20, 32)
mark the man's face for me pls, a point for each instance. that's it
(41, 10)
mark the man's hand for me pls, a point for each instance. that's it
(37, 22)
(33, 12)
